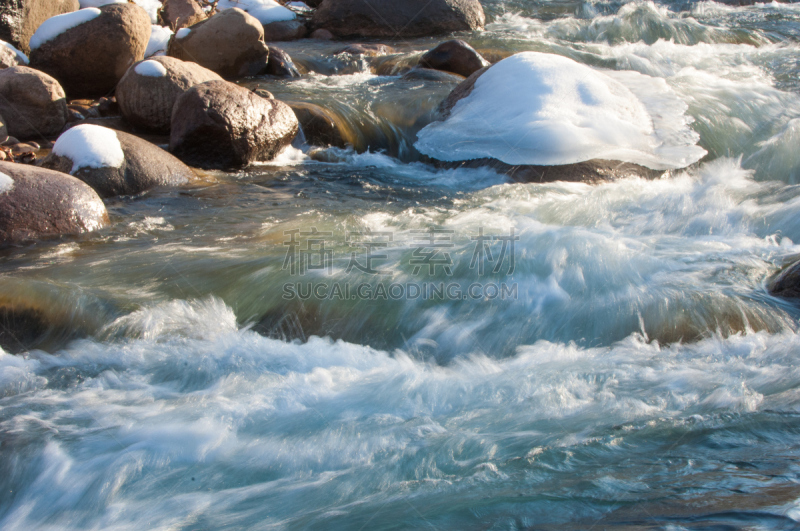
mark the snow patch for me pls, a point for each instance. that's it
(21, 57)
(545, 109)
(6, 183)
(90, 146)
(150, 6)
(159, 39)
(265, 11)
(183, 32)
(55, 26)
(151, 69)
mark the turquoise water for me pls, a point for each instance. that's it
(636, 376)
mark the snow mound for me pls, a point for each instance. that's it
(55, 26)
(543, 109)
(183, 32)
(151, 6)
(150, 69)
(21, 57)
(159, 39)
(265, 11)
(90, 146)
(6, 183)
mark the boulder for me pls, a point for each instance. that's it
(33, 103)
(321, 35)
(38, 203)
(410, 18)
(285, 30)
(147, 92)
(177, 14)
(11, 56)
(280, 64)
(19, 19)
(115, 163)
(90, 58)
(786, 283)
(3, 130)
(454, 56)
(320, 126)
(218, 124)
(231, 43)
(536, 117)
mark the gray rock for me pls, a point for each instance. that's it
(409, 18)
(454, 56)
(285, 30)
(786, 283)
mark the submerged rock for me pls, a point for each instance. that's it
(367, 50)
(115, 163)
(320, 126)
(33, 103)
(543, 110)
(454, 56)
(218, 124)
(786, 283)
(231, 43)
(409, 18)
(147, 92)
(280, 64)
(37, 203)
(429, 74)
(19, 19)
(93, 54)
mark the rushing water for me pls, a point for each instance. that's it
(636, 375)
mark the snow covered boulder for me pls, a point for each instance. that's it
(115, 163)
(230, 43)
(454, 56)
(147, 92)
(90, 50)
(409, 18)
(218, 124)
(151, 7)
(544, 110)
(19, 19)
(37, 203)
(178, 14)
(11, 56)
(33, 103)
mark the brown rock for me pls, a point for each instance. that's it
(320, 126)
(19, 19)
(321, 35)
(222, 125)
(176, 14)
(32, 103)
(231, 43)
(9, 58)
(146, 166)
(3, 130)
(285, 30)
(146, 102)
(409, 18)
(45, 203)
(454, 56)
(89, 59)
